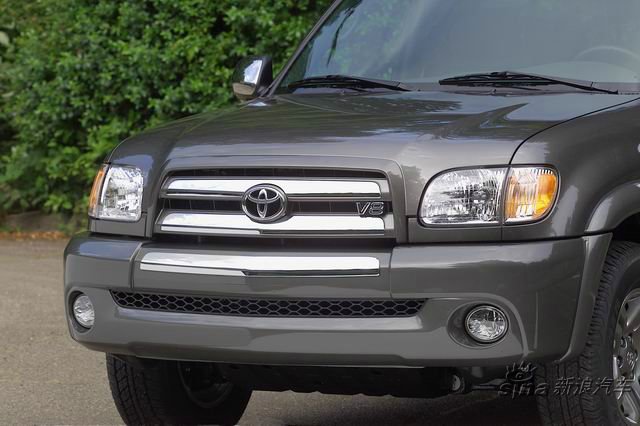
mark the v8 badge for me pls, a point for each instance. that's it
(373, 208)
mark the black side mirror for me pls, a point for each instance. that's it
(252, 76)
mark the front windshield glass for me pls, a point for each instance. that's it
(425, 41)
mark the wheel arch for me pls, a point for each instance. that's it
(627, 228)
(617, 211)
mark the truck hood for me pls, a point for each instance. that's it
(424, 133)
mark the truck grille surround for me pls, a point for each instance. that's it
(308, 202)
(316, 308)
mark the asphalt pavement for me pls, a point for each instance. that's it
(46, 378)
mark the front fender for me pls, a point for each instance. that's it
(622, 202)
(598, 158)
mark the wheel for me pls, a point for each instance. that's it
(601, 386)
(174, 393)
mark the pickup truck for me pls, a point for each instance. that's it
(428, 194)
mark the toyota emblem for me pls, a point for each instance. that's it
(265, 203)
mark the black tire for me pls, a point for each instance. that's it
(154, 393)
(620, 276)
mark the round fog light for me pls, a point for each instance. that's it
(486, 324)
(83, 311)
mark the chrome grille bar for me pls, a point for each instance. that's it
(295, 189)
(226, 265)
(205, 223)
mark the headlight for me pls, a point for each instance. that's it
(489, 196)
(117, 194)
(464, 197)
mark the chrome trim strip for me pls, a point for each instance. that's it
(191, 271)
(293, 188)
(241, 224)
(227, 265)
(195, 195)
(212, 231)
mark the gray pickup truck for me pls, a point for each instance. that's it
(433, 196)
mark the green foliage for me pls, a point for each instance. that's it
(92, 72)
(13, 16)
(5, 43)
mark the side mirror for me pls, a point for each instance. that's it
(252, 76)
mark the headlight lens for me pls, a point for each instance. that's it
(489, 196)
(96, 190)
(531, 192)
(464, 197)
(117, 194)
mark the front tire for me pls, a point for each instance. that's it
(610, 354)
(174, 393)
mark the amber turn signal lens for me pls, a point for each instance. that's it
(94, 198)
(531, 193)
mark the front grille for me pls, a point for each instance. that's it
(317, 308)
(320, 202)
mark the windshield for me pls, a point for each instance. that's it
(425, 41)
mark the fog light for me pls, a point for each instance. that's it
(83, 311)
(486, 324)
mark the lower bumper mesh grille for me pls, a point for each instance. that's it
(319, 308)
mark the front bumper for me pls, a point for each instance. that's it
(546, 289)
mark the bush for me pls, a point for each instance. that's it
(96, 71)
(5, 130)
(13, 17)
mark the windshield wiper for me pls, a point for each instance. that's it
(511, 78)
(347, 81)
